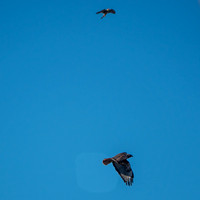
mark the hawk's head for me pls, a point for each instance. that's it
(129, 155)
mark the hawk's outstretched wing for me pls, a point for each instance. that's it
(101, 11)
(124, 170)
(120, 157)
(111, 11)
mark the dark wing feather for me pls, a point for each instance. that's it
(101, 11)
(125, 171)
(112, 11)
(120, 157)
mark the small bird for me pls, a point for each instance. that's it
(106, 11)
(122, 166)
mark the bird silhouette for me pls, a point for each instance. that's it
(106, 11)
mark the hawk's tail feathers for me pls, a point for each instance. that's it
(107, 161)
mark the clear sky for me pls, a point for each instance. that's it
(75, 89)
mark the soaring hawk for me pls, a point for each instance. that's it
(106, 11)
(122, 166)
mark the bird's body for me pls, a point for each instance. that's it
(106, 11)
(122, 166)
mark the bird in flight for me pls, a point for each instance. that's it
(122, 166)
(106, 11)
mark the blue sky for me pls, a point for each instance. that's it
(76, 89)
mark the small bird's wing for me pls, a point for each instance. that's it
(101, 11)
(120, 157)
(125, 171)
(112, 11)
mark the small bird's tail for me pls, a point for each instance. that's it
(107, 161)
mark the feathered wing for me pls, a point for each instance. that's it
(120, 157)
(124, 170)
(101, 11)
(112, 11)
